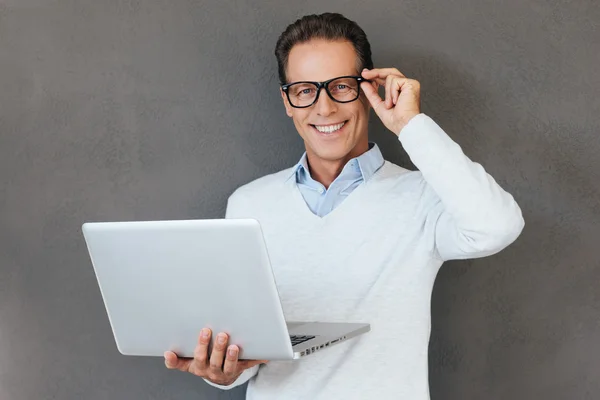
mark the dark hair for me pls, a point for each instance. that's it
(328, 26)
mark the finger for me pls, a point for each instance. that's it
(396, 86)
(380, 81)
(382, 73)
(373, 97)
(200, 360)
(368, 74)
(388, 91)
(231, 360)
(174, 362)
(218, 353)
(395, 91)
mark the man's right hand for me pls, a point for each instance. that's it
(223, 367)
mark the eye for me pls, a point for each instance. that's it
(304, 91)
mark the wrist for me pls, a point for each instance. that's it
(404, 121)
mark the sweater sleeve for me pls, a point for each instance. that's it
(243, 378)
(475, 216)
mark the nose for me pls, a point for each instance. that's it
(325, 105)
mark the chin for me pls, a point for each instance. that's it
(331, 152)
(331, 146)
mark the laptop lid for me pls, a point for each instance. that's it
(163, 281)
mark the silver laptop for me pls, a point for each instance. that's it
(163, 281)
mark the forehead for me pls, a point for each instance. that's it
(319, 60)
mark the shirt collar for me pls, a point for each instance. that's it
(367, 163)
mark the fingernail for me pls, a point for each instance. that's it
(221, 339)
(231, 352)
(204, 333)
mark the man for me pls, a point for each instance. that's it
(353, 237)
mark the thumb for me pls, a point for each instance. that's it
(174, 362)
(373, 97)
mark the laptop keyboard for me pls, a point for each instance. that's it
(297, 339)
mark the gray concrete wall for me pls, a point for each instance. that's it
(152, 110)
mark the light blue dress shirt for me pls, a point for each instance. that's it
(322, 201)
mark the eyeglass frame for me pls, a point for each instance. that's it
(324, 85)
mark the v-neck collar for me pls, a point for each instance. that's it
(363, 166)
(351, 198)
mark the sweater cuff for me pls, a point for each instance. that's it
(423, 139)
(243, 378)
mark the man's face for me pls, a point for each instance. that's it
(320, 60)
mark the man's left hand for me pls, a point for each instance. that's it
(402, 97)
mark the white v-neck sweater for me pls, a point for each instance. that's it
(374, 259)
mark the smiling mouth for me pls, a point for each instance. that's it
(329, 128)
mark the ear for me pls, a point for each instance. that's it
(288, 108)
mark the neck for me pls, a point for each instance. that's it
(326, 171)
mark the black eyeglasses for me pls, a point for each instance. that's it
(343, 89)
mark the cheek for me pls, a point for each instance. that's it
(299, 124)
(300, 117)
(362, 115)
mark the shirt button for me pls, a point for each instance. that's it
(321, 190)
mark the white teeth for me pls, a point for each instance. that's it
(329, 128)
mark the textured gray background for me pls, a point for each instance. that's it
(151, 109)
